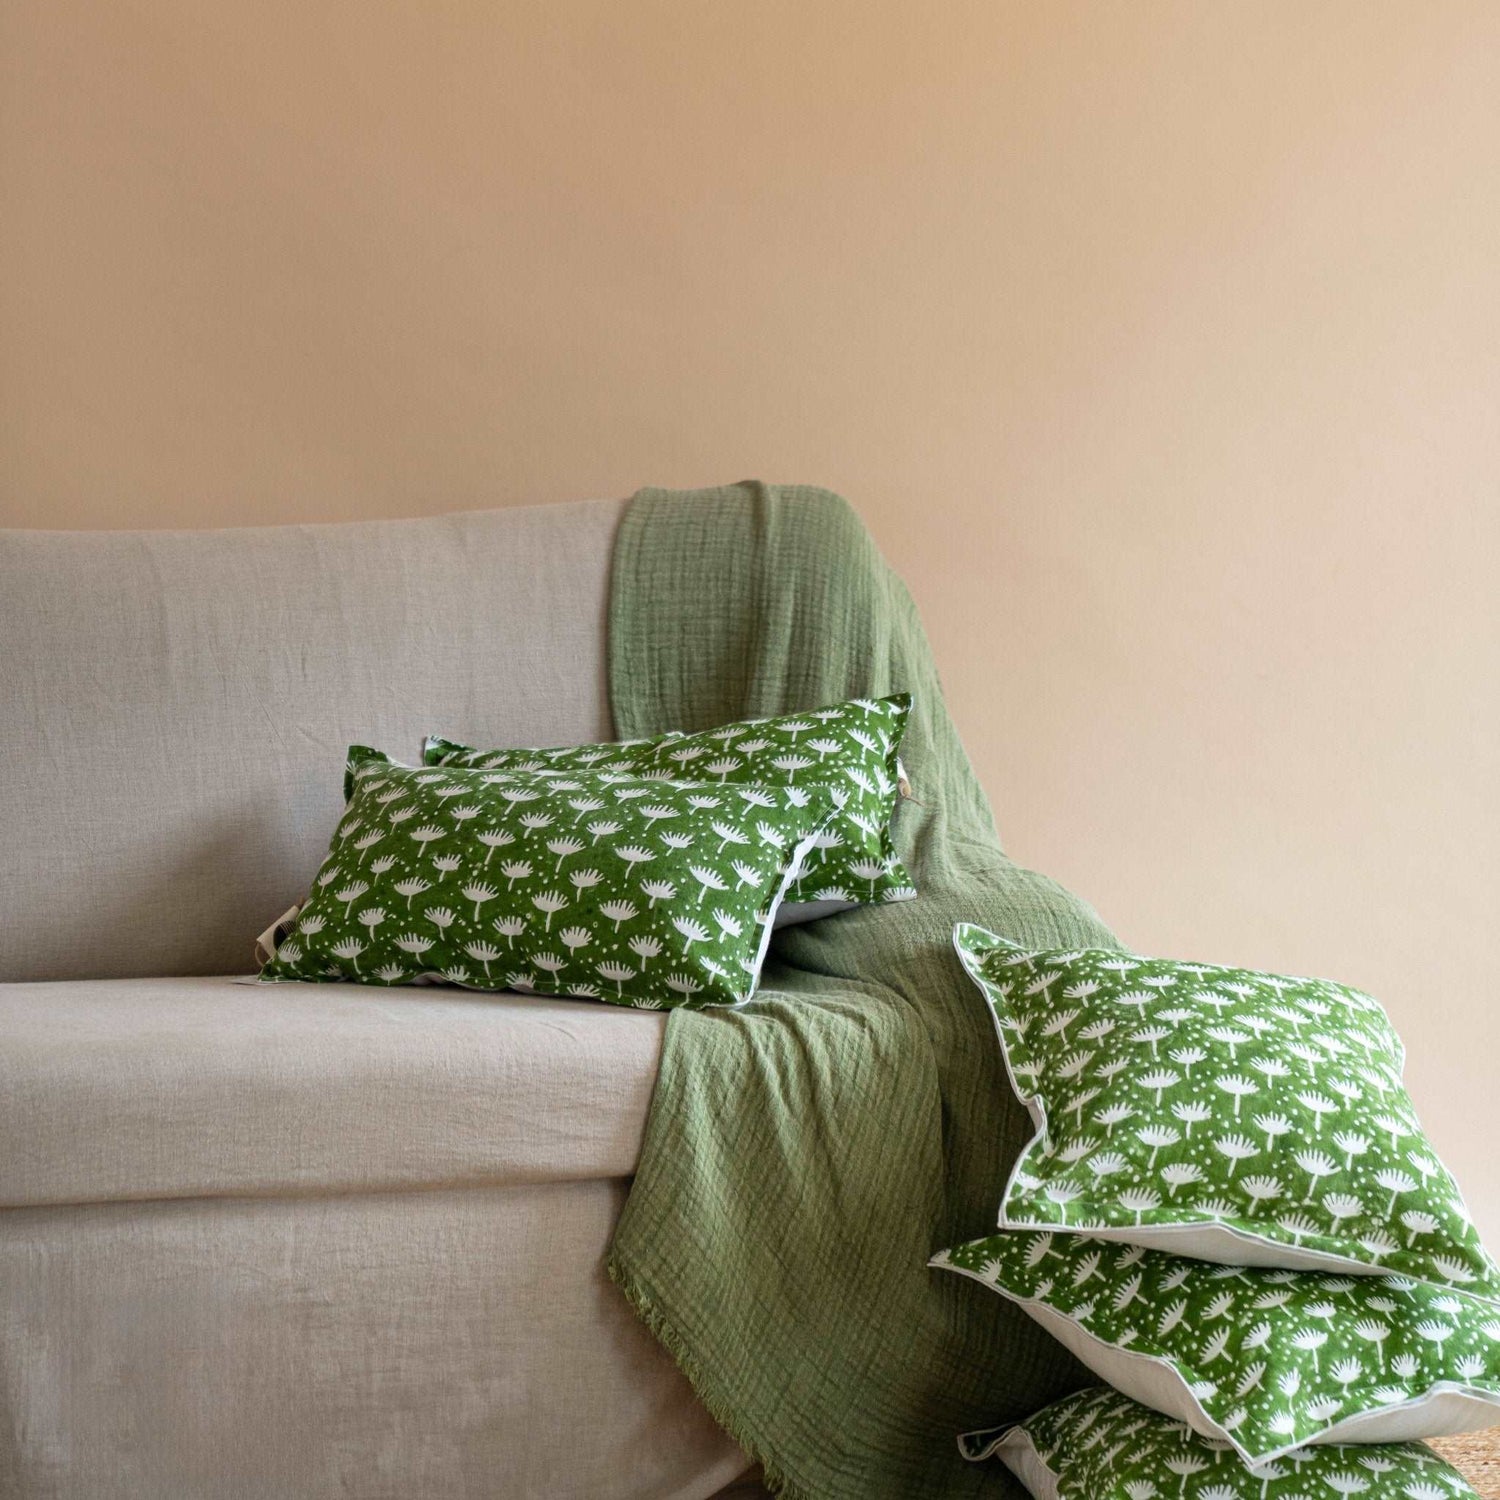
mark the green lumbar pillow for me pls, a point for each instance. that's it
(1265, 1360)
(849, 748)
(643, 892)
(1100, 1445)
(1219, 1113)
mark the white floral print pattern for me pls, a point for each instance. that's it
(1271, 1359)
(1208, 1110)
(850, 748)
(637, 891)
(1100, 1445)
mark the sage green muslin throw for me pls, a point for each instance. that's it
(807, 1153)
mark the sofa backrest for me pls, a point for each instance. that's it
(175, 707)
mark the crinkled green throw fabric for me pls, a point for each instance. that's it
(807, 1153)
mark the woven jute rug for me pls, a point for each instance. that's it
(1476, 1455)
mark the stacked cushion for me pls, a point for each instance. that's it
(646, 893)
(1220, 1113)
(852, 749)
(1229, 1209)
(1099, 1445)
(1263, 1360)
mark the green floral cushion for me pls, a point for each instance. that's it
(1100, 1445)
(1267, 1360)
(850, 748)
(1220, 1113)
(642, 892)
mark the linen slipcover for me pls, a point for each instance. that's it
(386, 1346)
(300, 1240)
(181, 1088)
(175, 706)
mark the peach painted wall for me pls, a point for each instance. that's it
(1159, 344)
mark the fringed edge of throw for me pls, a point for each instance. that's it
(773, 1478)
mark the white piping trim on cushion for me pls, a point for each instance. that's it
(1015, 1449)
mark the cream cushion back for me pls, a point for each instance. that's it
(175, 706)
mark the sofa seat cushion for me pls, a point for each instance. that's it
(202, 1087)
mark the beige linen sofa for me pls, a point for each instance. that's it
(300, 1240)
